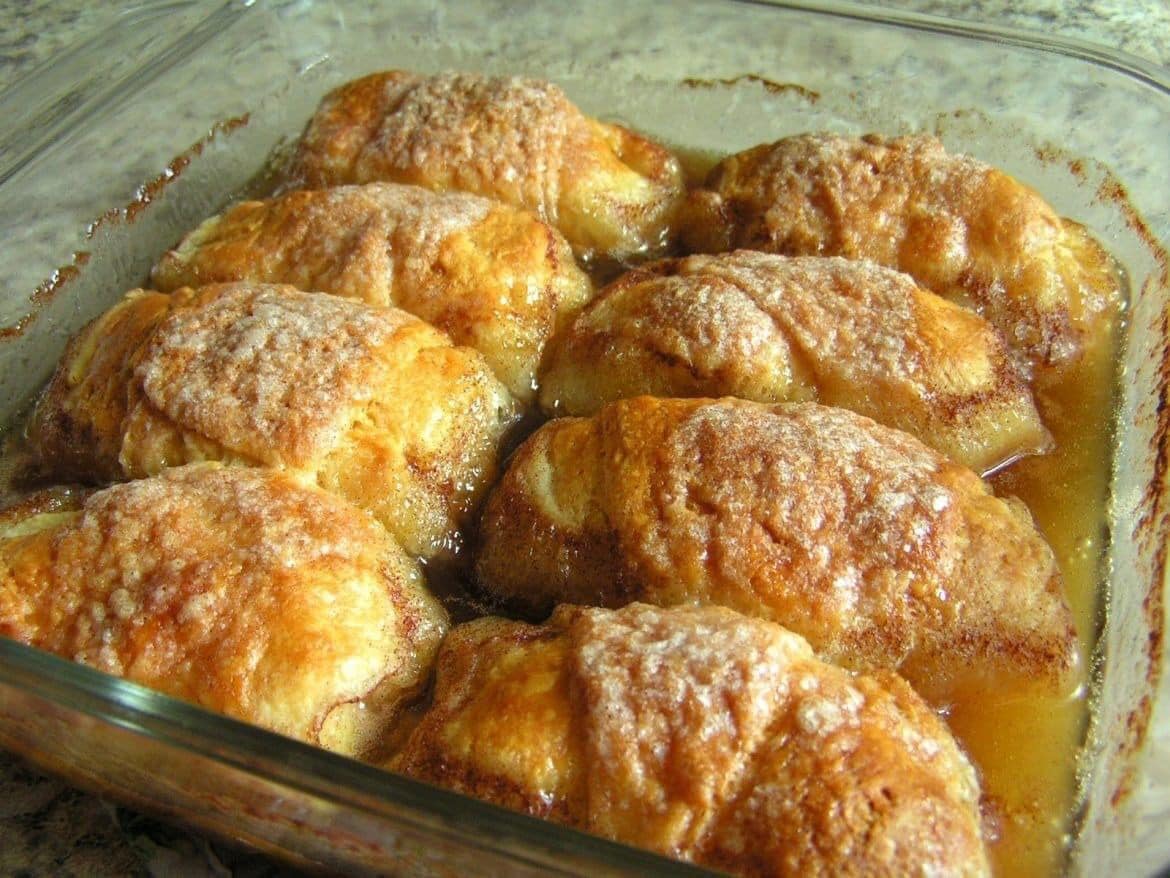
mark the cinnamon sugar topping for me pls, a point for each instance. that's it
(269, 371)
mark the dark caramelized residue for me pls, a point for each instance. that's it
(769, 85)
(45, 292)
(58, 498)
(150, 191)
(1152, 531)
(1152, 526)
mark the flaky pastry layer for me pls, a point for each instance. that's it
(611, 192)
(701, 734)
(879, 550)
(775, 329)
(492, 277)
(960, 227)
(369, 402)
(241, 590)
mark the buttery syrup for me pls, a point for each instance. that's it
(1027, 749)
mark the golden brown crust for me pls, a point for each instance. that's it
(490, 276)
(701, 734)
(369, 402)
(775, 329)
(238, 589)
(500, 725)
(611, 192)
(960, 227)
(269, 372)
(877, 549)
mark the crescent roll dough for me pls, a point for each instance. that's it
(775, 329)
(611, 192)
(368, 402)
(880, 551)
(241, 590)
(492, 277)
(959, 227)
(703, 735)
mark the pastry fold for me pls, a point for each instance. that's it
(701, 734)
(492, 277)
(958, 226)
(613, 193)
(775, 329)
(371, 403)
(877, 549)
(241, 590)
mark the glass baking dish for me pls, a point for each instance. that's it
(95, 183)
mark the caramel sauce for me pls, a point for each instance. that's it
(1027, 748)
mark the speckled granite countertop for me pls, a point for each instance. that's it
(47, 828)
(33, 30)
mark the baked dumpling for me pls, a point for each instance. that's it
(491, 276)
(701, 734)
(959, 227)
(877, 549)
(241, 590)
(611, 192)
(775, 329)
(76, 429)
(371, 403)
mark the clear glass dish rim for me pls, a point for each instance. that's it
(1147, 72)
(325, 775)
